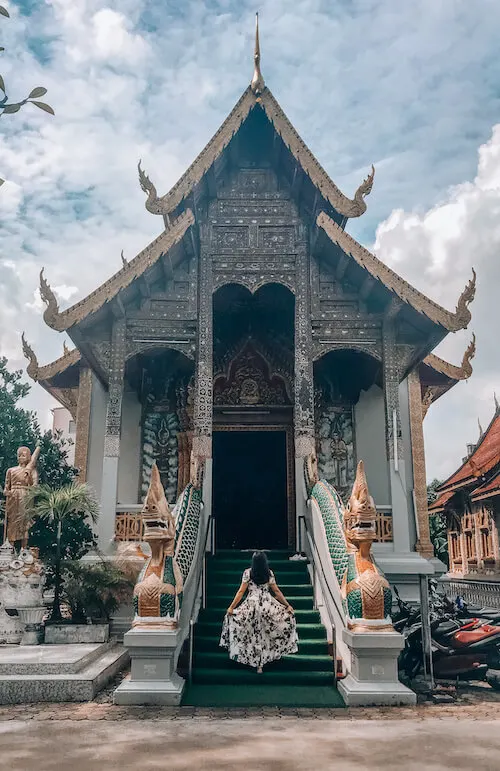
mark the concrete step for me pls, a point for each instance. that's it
(81, 686)
(49, 659)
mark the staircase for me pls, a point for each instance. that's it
(305, 679)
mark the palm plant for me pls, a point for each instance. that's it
(56, 506)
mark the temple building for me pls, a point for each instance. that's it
(470, 502)
(253, 331)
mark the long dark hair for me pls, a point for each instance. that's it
(260, 572)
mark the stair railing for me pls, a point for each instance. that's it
(325, 587)
(201, 578)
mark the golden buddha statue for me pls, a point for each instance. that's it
(17, 481)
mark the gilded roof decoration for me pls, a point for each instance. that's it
(462, 312)
(62, 320)
(33, 367)
(257, 85)
(124, 259)
(51, 312)
(347, 207)
(451, 370)
(439, 315)
(152, 201)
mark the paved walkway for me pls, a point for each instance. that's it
(101, 737)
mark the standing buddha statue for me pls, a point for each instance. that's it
(17, 481)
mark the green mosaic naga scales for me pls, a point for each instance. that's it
(350, 532)
(172, 537)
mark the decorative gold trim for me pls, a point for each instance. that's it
(83, 422)
(62, 320)
(450, 321)
(451, 370)
(290, 465)
(257, 85)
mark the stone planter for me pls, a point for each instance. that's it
(32, 619)
(62, 634)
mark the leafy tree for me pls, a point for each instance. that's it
(7, 107)
(58, 507)
(437, 525)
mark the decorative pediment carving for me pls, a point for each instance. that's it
(251, 379)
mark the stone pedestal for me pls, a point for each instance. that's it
(153, 677)
(373, 679)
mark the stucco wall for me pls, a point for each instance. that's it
(130, 449)
(98, 406)
(370, 443)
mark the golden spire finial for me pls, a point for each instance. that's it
(257, 85)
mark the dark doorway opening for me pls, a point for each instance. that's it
(250, 489)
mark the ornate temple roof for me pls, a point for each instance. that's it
(484, 458)
(451, 322)
(249, 101)
(334, 209)
(62, 320)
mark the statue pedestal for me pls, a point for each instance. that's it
(373, 679)
(153, 677)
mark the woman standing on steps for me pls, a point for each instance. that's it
(261, 629)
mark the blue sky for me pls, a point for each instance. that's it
(412, 87)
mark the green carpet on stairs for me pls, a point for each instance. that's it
(261, 696)
(301, 680)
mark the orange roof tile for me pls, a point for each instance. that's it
(485, 457)
(489, 489)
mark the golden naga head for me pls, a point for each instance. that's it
(311, 472)
(159, 524)
(360, 515)
(196, 467)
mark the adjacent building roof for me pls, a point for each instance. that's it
(488, 489)
(441, 502)
(484, 458)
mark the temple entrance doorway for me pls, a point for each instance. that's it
(250, 500)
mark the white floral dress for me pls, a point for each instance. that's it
(260, 629)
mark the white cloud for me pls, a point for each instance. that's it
(435, 250)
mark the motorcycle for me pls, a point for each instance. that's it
(462, 646)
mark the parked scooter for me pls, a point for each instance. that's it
(462, 646)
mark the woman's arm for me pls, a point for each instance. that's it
(280, 596)
(238, 597)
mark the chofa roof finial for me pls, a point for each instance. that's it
(257, 85)
(497, 405)
(481, 432)
(52, 310)
(469, 354)
(32, 368)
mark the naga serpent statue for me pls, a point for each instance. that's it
(172, 536)
(350, 532)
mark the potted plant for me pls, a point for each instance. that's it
(58, 507)
(93, 592)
